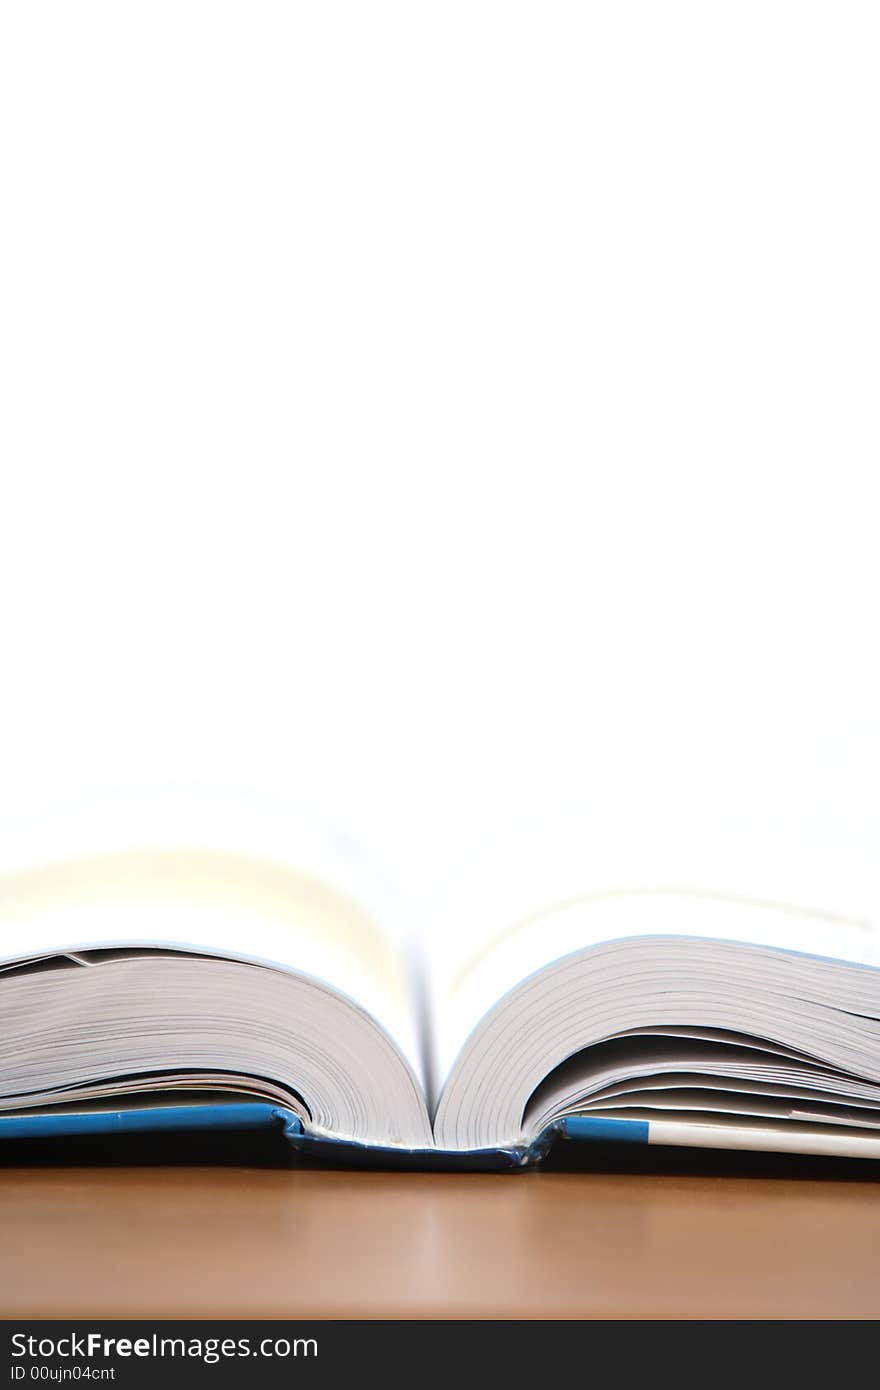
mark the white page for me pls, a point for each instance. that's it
(757, 883)
(219, 874)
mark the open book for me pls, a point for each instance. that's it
(180, 963)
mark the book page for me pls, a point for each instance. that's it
(748, 886)
(212, 874)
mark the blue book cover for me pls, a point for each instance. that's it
(258, 1119)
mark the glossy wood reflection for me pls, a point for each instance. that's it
(238, 1241)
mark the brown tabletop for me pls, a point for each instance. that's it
(216, 1241)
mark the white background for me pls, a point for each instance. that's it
(461, 418)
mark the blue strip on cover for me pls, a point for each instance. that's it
(606, 1131)
(250, 1116)
(259, 1115)
(169, 1118)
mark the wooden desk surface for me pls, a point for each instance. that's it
(249, 1241)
